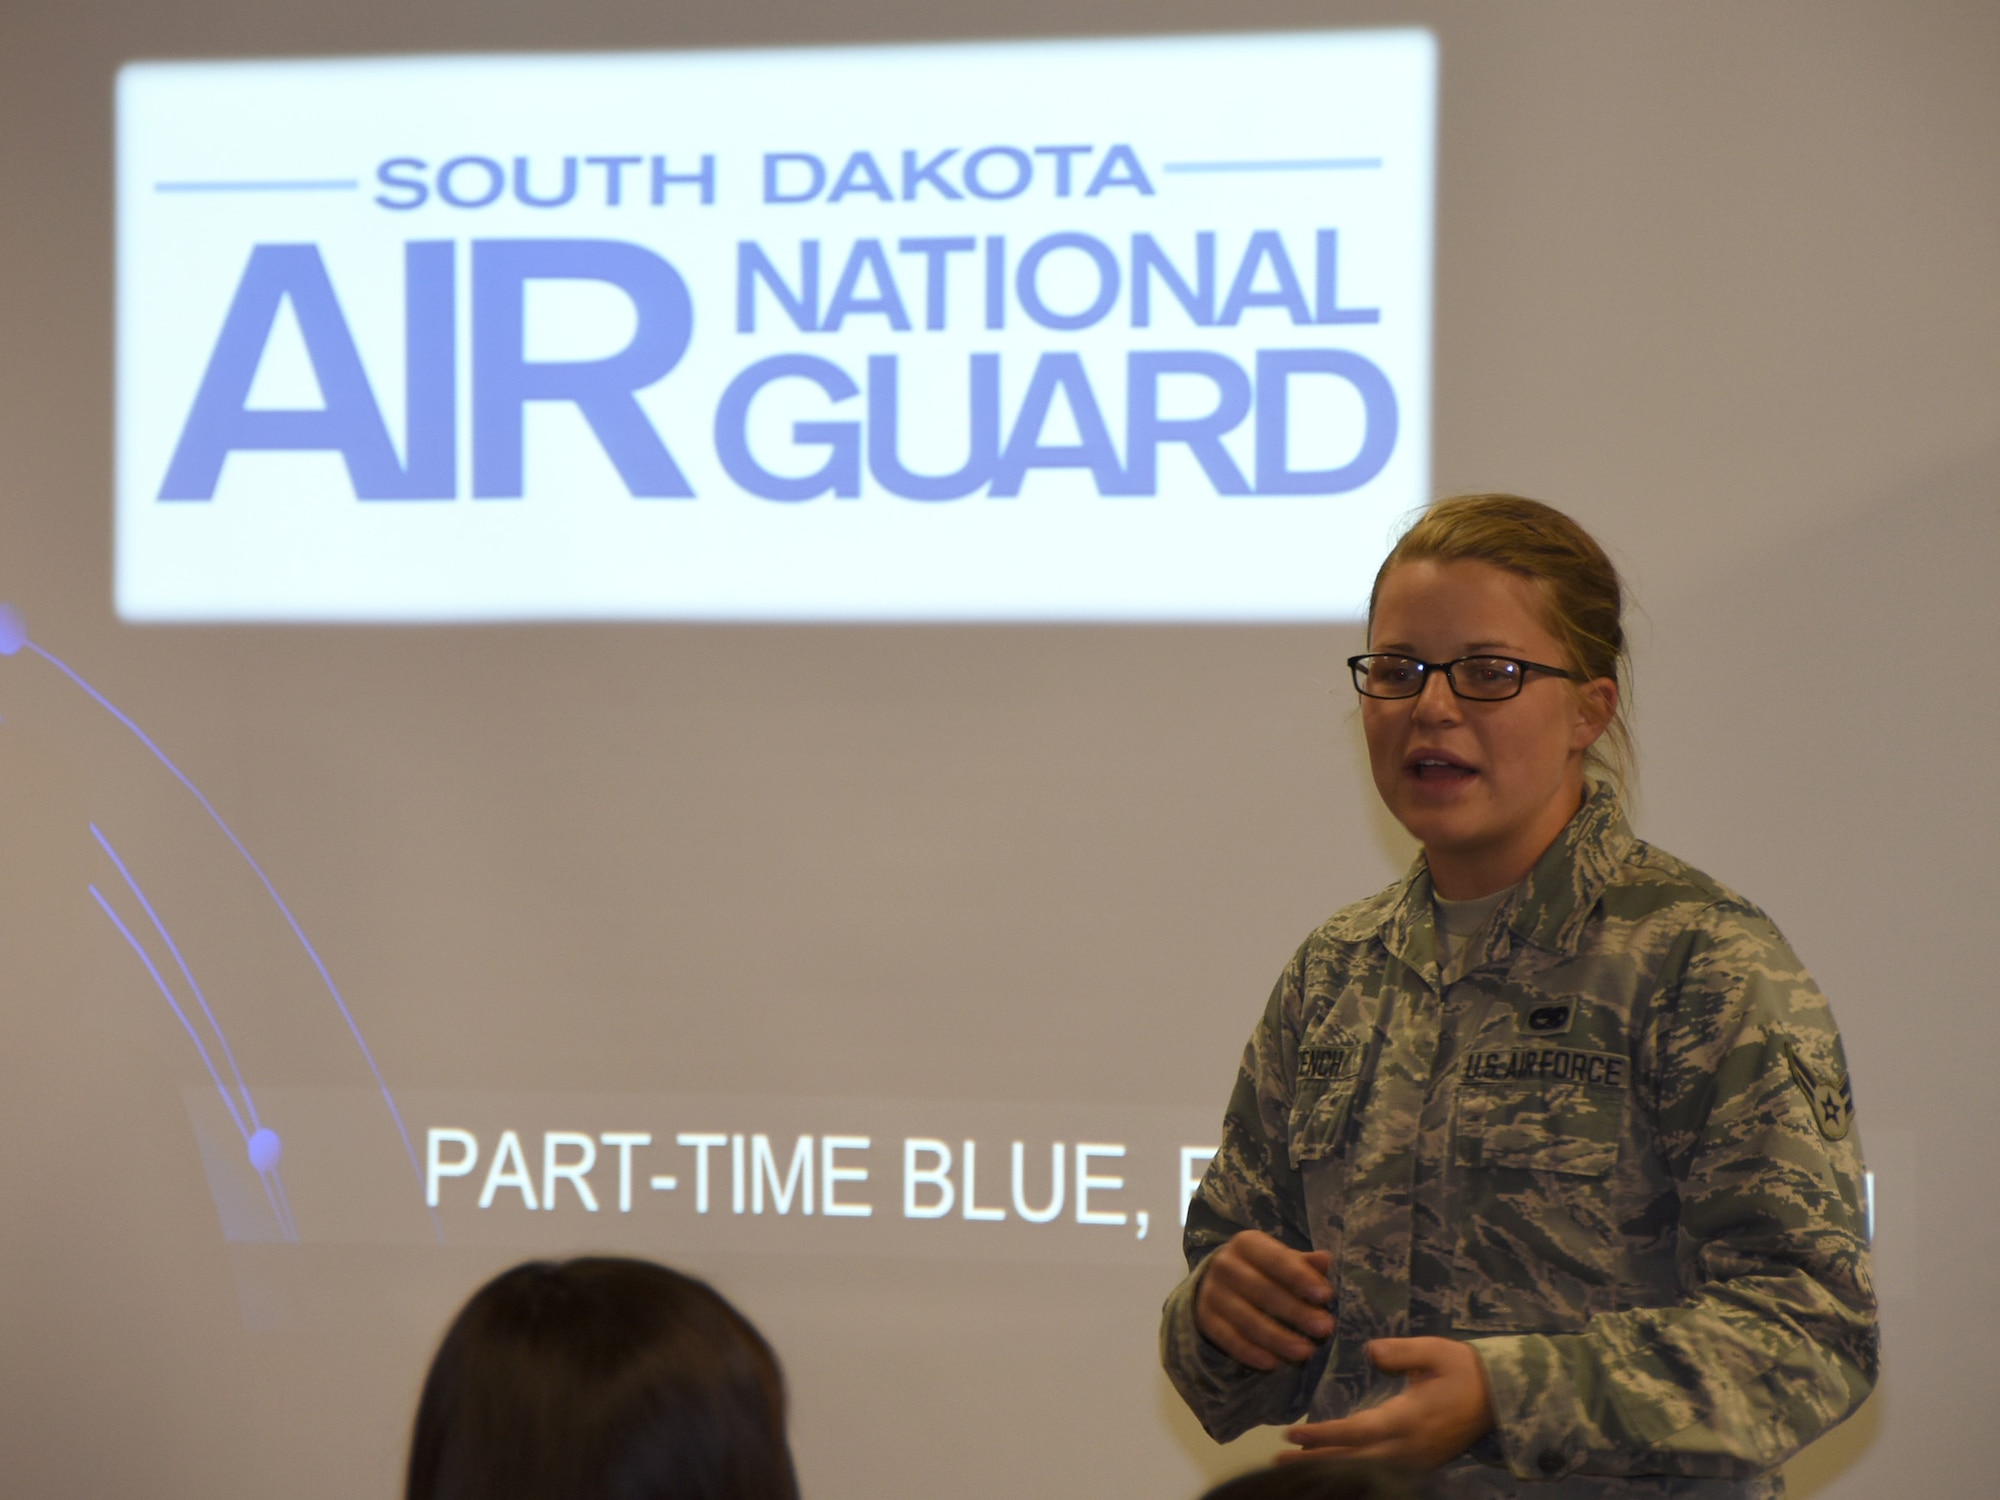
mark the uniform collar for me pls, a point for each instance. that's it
(1563, 889)
(1550, 908)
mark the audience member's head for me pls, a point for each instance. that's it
(1320, 1479)
(601, 1379)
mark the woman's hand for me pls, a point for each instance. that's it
(1261, 1301)
(1444, 1408)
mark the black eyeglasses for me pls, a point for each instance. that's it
(1486, 679)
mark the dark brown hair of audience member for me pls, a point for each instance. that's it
(1320, 1479)
(601, 1379)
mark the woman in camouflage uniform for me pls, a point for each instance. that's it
(1540, 1165)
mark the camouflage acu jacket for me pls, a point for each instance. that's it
(1612, 1147)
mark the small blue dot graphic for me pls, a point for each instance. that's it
(265, 1149)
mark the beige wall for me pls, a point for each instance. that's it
(1719, 278)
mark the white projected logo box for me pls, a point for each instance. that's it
(1047, 331)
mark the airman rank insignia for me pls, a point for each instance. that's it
(1831, 1101)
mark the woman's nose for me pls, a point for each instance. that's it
(1436, 702)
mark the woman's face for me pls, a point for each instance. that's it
(1485, 787)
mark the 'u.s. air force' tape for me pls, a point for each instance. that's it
(1547, 1065)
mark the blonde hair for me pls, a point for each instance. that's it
(1583, 600)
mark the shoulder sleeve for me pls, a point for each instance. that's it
(1774, 1339)
(1251, 1184)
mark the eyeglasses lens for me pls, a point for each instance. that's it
(1389, 676)
(1487, 677)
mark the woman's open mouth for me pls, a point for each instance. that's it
(1443, 770)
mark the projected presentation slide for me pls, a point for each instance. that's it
(1119, 330)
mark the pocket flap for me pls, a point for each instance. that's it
(1319, 1120)
(1557, 1128)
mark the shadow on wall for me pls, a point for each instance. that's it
(1813, 707)
(1818, 733)
(1822, 1464)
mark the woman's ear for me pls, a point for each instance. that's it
(1596, 705)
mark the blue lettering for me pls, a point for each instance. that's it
(350, 422)
(614, 175)
(504, 380)
(975, 182)
(1120, 168)
(777, 163)
(996, 281)
(861, 175)
(1328, 277)
(430, 371)
(1275, 367)
(915, 175)
(1265, 246)
(934, 251)
(1146, 429)
(522, 191)
(1059, 372)
(866, 256)
(1027, 288)
(1064, 156)
(983, 446)
(704, 177)
(414, 186)
(1197, 302)
(752, 265)
(840, 475)
(496, 181)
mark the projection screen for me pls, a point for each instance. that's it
(1022, 335)
(717, 636)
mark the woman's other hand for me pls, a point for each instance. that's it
(1443, 1409)
(1261, 1301)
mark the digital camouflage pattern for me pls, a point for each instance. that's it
(1610, 1146)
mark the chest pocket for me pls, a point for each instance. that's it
(1334, 1057)
(1321, 1109)
(1536, 1169)
(1568, 1129)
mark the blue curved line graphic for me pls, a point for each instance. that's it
(284, 1225)
(242, 1088)
(284, 1202)
(381, 1083)
(180, 1015)
(273, 1183)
